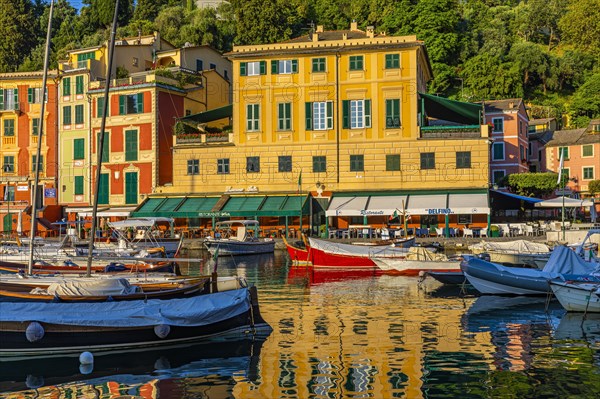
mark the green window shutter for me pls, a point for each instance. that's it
(122, 104)
(105, 147)
(1, 99)
(16, 94)
(140, 103)
(367, 113)
(263, 67)
(79, 149)
(103, 189)
(35, 126)
(67, 115)
(274, 67)
(78, 114)
(131, 188)
(79, 84)
(66, 86)
(243, 68)
(345, 114)
(78, 189)
(329, 115)
(30, 95)
(309, 124)
(99, 107)
(288, 116)
(294, 66)
(131, 145)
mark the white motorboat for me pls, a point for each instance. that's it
(238, 237)
(576, 296)
(518, 252)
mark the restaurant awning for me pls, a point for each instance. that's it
(210, 115)
(414, 203)
(451, 110)
(124, 211)
(231, 205)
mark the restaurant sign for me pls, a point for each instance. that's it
(439, 211)
(213, 214)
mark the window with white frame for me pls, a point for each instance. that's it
(193, 167)
(498, 124)
(253, 68)
(319, 115)
(285, 66)
(498, 151)
(587, 150)
(588, 173)
(357, 114)
(223, 166)
(252, 117)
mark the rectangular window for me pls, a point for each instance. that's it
(587, 150)
(79, 149)
(39, 164)
(252, 164)
(392, 61)
(498, 152)
(199, 65)
(131, 188)
(522, 153)
(131, 104)
(131, 145)
(563, 150)
(100, 107)
(223, 166)
(392, 162)
(428, 160)
(284, 67)
(193, 167)
(319, 164)
(498, 125)
(357, 163)
(34, 95)
(78, 186)
(284, 116)
(79, 84)
(9, 127)
(9, 164)
(463, 159)
(356, 114)
(588, 173)
(254, 68)
(318, 64)
(85, 56)
(35, 126)
(66, 86)
(392, 113)
(105, 147)
(497, 176)
(212, 67)
(356, 62)
(67, 115)
(79, 114)
(253, 117)
(103, 189)
(285, 163)
(9, 99)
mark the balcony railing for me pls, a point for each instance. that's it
(9, 140)
(452, 132)
(204, 138)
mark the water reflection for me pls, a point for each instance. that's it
(355, 335)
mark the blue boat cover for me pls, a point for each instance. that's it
(184, 312)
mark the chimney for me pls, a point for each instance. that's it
(319, 28)
(344, 36)
(315, 37)
(354, 25)
(371, 31)
(511, 105)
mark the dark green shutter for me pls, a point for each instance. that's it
(345, 114)
(16, 94)
(367, 113)
(122, 104)
(30, 95)
(243, 68)
(309, 123)
(288, 116)
(105, 147)
(67, 115)
(78, 114)
(1, 99)
(79, 149)
(294, 66)
(263, 67)
(140, 103)
(274, 67)
(329, 115)
(66, 86)
(79, 84)
(131, 145)
(100, 107)
(35, 126)
(103, 189)
(78, 189)
(131, 188)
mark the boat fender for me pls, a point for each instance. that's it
(86, 358)
(34, 381)
(86, 368)
(34, 332)
(162, 330)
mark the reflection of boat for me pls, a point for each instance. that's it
(577, 296)
(518, 252)
(450, 278)
(237, 354)
(328, 275)
(417, 260)
(238, 237)
(579, 326)
(495, 279)
(40, 329)
(129, 265)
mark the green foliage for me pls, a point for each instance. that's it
(594, 187)
(586, 100)
(532, 184)
(19, 32)
(580, 25)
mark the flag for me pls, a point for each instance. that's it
(560, 165)
(394, 215)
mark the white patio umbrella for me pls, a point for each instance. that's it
(568, 203)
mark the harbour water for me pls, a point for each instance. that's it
(342, 335)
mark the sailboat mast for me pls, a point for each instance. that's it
(100, 149)
(37, 164)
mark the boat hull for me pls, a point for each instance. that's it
(67, 339)
(407, 267)
(577, 297)
(492, 279)
(233, 247)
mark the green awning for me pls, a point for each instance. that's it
(243, 206)
(194, 205)
(210, 115)
(176, 207)
(451, 110)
